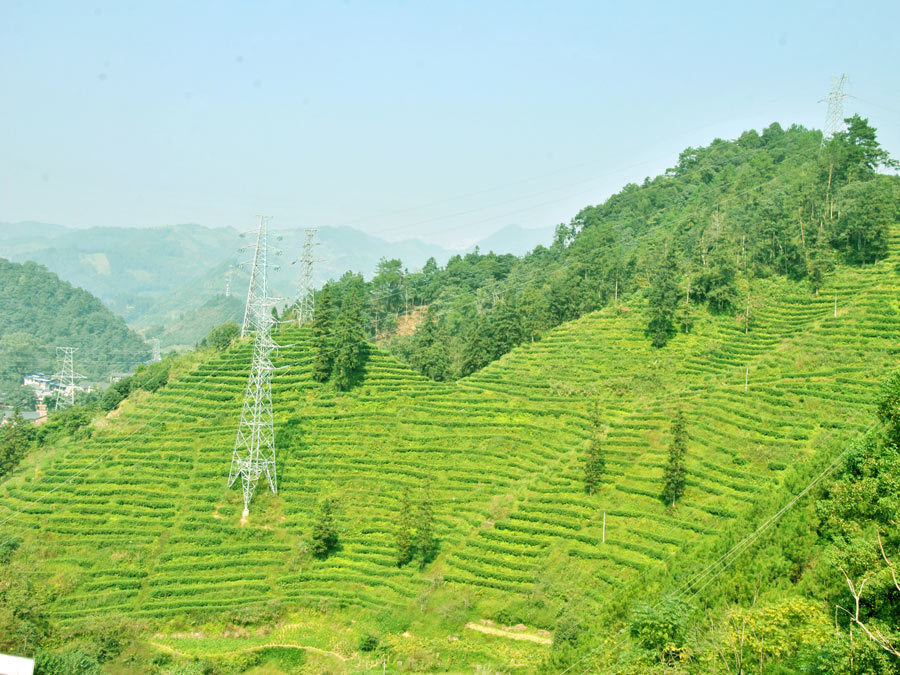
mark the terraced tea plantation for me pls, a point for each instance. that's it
(137, 521)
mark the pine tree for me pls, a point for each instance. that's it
(426, 542)
(674, 474)
(349, 341)
(663, 298)
(820, 261)
(594, 461)
(323, 326)
(324, 533)
(405, 549)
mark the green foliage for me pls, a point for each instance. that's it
(405, 548)
(69, 662)
(368, 642)
(221, 336)
(716, 284)
(674, 474)
(257, 614)
(324, 538)
(568, 629)
(39, 311)
(426, 543)
(661, 627)
(349, 340)
(147, 377)
(663, 300)
(15, 441)
(594, 460)
(889, 409)
(866, 210)
(323, 328)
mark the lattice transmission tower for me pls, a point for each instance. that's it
(259, 276)
(254, 445)
(65, 377)
(306, 289)
(834, 117)
(155, 353)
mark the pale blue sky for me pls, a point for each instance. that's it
(442, 121)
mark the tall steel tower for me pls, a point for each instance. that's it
(65, 377)
(306, 290)
(254, 446)
(834, 117)
(259, 277)
(154, 346)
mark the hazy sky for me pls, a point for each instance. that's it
(442, 121)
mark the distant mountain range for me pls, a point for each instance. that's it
(156, 277)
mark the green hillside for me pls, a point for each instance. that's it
(135, 523)
(38, 312)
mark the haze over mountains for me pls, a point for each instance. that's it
(154, 276)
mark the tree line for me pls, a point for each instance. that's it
(781, 202)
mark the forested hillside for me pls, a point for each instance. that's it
(668, 443)
(597, 500)
(776, 203)
(39, 312)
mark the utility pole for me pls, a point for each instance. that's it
(834, 117)
(259, 276)
(306, 289)
(154, 345)
(65, 378)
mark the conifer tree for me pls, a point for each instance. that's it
(324, 533)
(674, 474)
(820, 261)
(663, 298)
(405, 549)
(323, 326)
(594, 461)
(426, 542)
(349, 341)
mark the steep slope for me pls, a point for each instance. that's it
(39, 311)
(137, 519)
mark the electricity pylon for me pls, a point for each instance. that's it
(259, 277)
(254, 445)
(834, 117)
(306, 289)
(65, 378)
(154, 345)
(228, 281)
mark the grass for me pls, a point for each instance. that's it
(138, 521)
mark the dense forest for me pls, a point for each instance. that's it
(781, 202)
(39, 312)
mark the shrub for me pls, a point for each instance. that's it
(324, 535)
(368, 642)
(660, 627)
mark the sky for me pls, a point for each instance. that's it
(441, 121)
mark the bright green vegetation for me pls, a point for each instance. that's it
(38, 311)
(135, 522)
(780, 203)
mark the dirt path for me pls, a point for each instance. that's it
(254, 648)
(512, 635)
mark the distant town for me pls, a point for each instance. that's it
(44, 388)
